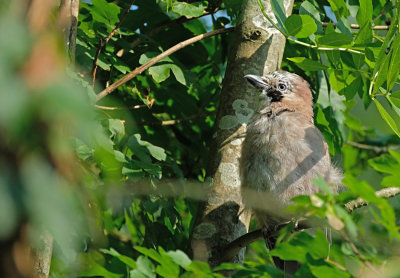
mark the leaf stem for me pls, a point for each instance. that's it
(371, 86)
(345, 49)
(102, 42)
(269, 19)
(294, 40)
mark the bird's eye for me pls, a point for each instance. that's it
(281, 87)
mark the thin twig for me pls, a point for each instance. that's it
(382, 11)
(345, 49)
(102, 43)
(164, 26)
(329, 261)
(121, 108)
(177, 121)
(356, 26)
(377, 149)
(164, 54)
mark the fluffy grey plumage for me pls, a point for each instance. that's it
(283, 150)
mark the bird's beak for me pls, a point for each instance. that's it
(257, 81)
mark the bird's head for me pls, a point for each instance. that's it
(283, 89)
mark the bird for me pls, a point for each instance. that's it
(283, 151)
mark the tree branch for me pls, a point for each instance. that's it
(356, 26)
(241, 242)
(68, 19)
(178, 121)
(383, 193)
(102, 43)
(378, 149)
(187, 42)
(164, 54)
(164, 26)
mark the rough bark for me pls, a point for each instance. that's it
(257, 48)
(43, 254)
(68, 20)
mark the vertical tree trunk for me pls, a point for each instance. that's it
(69, 11)
(68, 21)
(257, 48)
(43, 255)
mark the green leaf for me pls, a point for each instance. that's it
(300, 26)
(93, 266)
(382, 73)
(135, 141)
(321, 183)
(364, 18)
(125, 259)
(151, 253)
(167, 267)
(302, 244)
(160, 72)
(82, 150)
(334, 39)
(389, 164)
(121, 66)
(395, 98)
(369, 54)
(385, 163)
(309, 9)
(180, 258)
(364, 14)
(395, 103)
(364, 36)
(145, 266)
(307, 64)
(105, 12)
(394, 67)
(385, 115)
(116, 126)
(152, 169)
(179, 75)
(188, 10)
(327, 271)
(364, 190)
(339, 7)
(388, 38)
(279, 12)
(131, 227)
(349, 224)
(200, 267)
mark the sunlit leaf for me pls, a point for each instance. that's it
(334, 39)
(188, 9)
(300, 26)
(307, 64)
(388, 119)
(279, 12)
